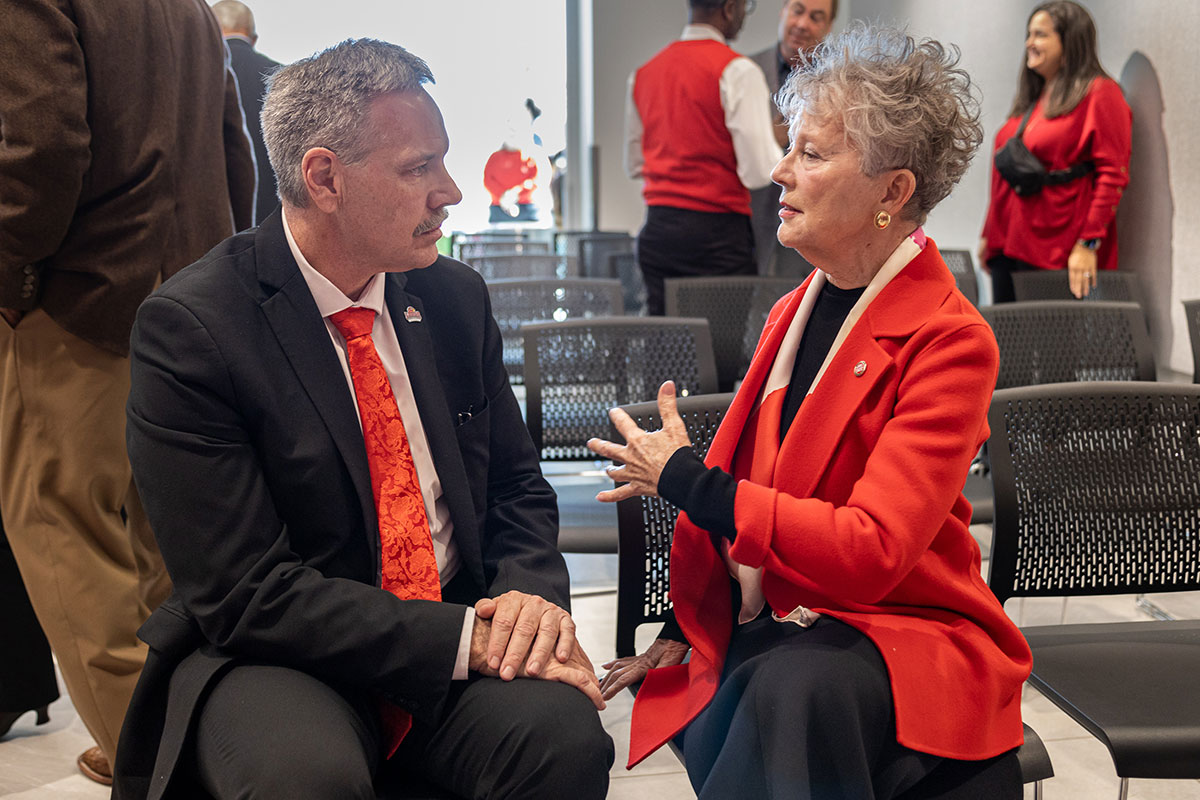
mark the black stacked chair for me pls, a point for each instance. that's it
(576, 370)
(1052, 284)
(1057, 341)
(1097, 488)
(736, 307)
(470, 250)
(645, 525)
(516, 301)
(525, 265)
(1064, 340)
(1191, 310)
(623, 265)
(963, 269)
(593, 249)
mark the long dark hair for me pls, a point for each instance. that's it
(1080, 63)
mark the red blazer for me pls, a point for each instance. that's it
(866, 522)
(1041, 229)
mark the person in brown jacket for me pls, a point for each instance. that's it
(123, 158)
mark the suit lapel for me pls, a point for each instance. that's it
(304, 339)
(420, 361)
(902, 306)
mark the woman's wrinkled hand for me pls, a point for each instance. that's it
(624, 672)
(644, 455)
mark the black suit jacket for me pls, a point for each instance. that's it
(250, 67)
(251, 465)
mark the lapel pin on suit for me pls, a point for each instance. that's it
(412, 315)
(860, 369)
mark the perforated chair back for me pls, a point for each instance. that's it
(516, 301)
(1052, 284)
(576, 370)
(962, 267)
(1055, 341)
(594, 252)
(1191, 310)
(499, 247)
(633, 289)
(528, 265)
(1097, 489)
(736, 308)
(645, 525)
(501, 235)
(593, 249)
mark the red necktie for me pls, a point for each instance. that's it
(409, 568)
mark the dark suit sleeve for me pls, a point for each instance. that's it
(44, 140)
(214, 511)
(520, 528)
(240, 169)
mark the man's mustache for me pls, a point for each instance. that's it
(433, 222)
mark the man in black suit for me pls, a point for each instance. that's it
(278, 666)
(251, 67)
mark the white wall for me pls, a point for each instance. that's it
(1149, 46)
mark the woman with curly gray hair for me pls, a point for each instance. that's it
(842, 640)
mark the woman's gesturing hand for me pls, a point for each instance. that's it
(645, 454)
(623, 672)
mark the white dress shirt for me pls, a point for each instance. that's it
(747, 104)
(330, 300)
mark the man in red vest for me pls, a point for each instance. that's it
(698, 132)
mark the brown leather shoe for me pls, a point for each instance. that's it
(93, 764)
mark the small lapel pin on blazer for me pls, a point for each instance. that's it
(412, 315)
(860, 369)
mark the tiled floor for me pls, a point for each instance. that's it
(37, 763)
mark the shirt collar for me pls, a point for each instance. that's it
(693, 33)
(328, 297)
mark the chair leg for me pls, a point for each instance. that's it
(1124, 795)
(1037, 790)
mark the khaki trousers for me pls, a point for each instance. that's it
(93, 574)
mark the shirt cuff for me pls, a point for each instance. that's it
(464, 646)
(707, 495)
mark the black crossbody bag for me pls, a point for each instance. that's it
(1023, 171)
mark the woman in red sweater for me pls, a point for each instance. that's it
(1074, 115)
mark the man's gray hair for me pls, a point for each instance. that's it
(903, 104)
(323, 100)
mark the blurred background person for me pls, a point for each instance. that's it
(251, 68)
(124, 157)
(803, 24)
(843, 641)
(1074, 119)
(698, 132)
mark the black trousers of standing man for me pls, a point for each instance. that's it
(679, 243)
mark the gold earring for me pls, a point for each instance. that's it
(882, 220)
